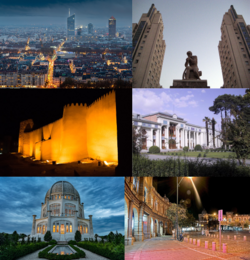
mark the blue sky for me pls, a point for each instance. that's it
(20, 198)
(192, 25)
(46, 12)
(190, 104)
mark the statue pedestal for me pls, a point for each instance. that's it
(189, 83)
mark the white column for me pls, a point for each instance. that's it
(160, 139)
(189, 138)
(185, 137)
(49, 221)
(152, 137)
(33, 232)
(178, 137)
(167, 136)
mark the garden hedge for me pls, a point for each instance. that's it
(12, 253)
(109, 250)
(154, 149)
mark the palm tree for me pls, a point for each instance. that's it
(213, 123)
(207, 121)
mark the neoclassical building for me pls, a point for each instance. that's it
(145, 210)
(62, 213)
(168, 131)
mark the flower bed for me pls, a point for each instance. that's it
(12, 252)
(109, 250)
(51, 256)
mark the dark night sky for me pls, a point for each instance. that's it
(45, 106)
(229, 194)
(46, 12)
(20, 198)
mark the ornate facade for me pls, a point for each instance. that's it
(172, 132)
(145, 210)
(62, 213)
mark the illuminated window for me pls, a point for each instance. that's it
(70, 228)
(65, 197)
(62, 229)
(59, 196)
(68, 197)
(54, 228)
(81, 229)
(67, 228)
(56, 197)
(38, 229)
(86, 229)
(57, 228)
(43, 229)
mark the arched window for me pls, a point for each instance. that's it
(55, 209)
(43, 229)
(70, 209)
(70, 228)
(38, 229)
(54, 228)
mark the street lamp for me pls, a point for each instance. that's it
(177, 205)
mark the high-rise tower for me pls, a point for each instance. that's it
(90, 28)
(149, 50)
(234, 50)
(112, 26)
(71, 25)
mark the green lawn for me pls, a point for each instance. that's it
(195, 154)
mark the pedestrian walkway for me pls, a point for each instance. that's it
(161, 248)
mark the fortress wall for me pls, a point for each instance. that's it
(47, 131)
(35, 136)
(74, 134)
(23, 125)
(56, 139)
(102, 128)
(46, 152)
(37, 151)
(26, 144)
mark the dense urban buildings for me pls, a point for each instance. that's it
(62, 213)
(112, 27)
(234, 50)
(149, 48)
(71, 26)
(145, 211)
(168, 131)
(88, 60)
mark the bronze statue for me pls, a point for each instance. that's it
(191, 71)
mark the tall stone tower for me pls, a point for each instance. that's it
(149, 49)
(234, 50)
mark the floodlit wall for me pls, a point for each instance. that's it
(74, 134)
(102, 128)
(82, 132)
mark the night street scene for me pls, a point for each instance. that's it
(66, 44)
(187, 218)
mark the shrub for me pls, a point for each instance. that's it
(109, 250)
(185, 149)
(207, 151)
(199, 155)
(96, 236)
(28, 241)
(78, 236)
(198, 148)
(204, 155)
(51, 256)
(86, 239)
(12, 253)
(91, 239)
(39, 239)
(72, 242)
(154, 149)
(47, 236)
(52, 242)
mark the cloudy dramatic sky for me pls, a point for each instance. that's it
(20, 198)
(46, 12)
(192, 25)
(190, 104)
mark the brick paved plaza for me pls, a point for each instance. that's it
(165, 247)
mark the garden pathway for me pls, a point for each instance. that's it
(89, 255)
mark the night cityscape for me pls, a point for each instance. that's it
(85, 49)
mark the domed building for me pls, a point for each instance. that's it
(62, 213)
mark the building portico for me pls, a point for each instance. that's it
(170, 132)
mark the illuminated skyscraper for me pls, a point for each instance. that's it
(71, 26)
(149, 50)
(112, 26)
(234, 50)
(90, 28)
